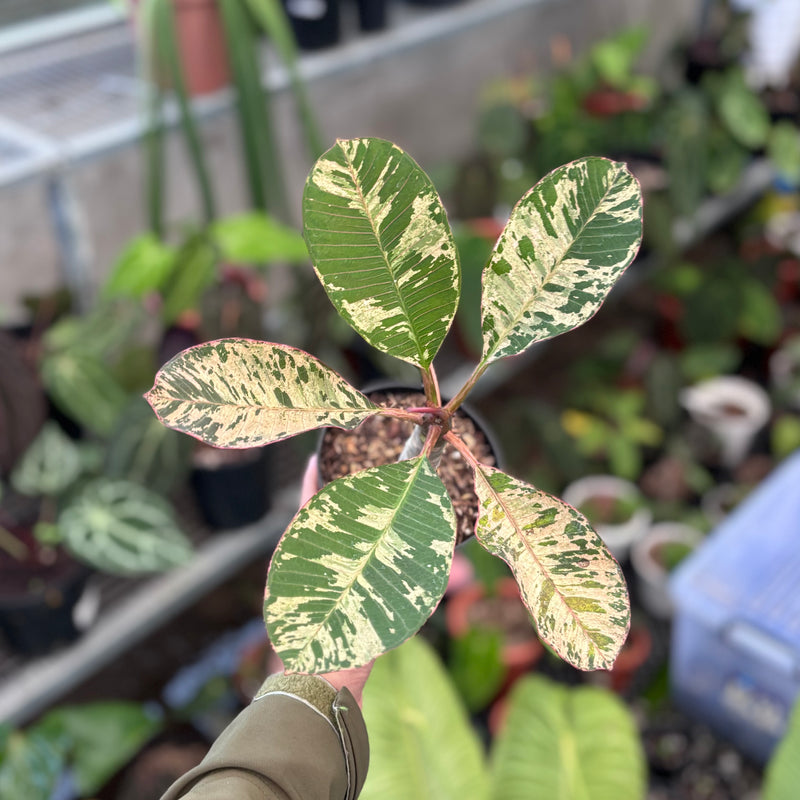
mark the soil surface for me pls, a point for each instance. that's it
(379, 440)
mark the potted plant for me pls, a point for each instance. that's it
(478, 616)
(553, 741)
(73, 517)
(375, 548)
(614, 506)
(210, 284)
(616, 429)
(654, 556)
(733, 409)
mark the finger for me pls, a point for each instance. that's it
(310, 485)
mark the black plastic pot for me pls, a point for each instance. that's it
(40, 618)
(372, 14)
(432, 3)
(315, 22)
(234, 492)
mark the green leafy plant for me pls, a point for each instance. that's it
(556, 741)
(615, 429)
(115, 525)
(93, 741)
(244, 24)
(596, 105)
(366, 561)
(783, 772)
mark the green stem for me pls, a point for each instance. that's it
(168, 46)
(153, 137)
(462, 393)
(430, 384)
(13, 546)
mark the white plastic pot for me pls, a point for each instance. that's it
(733, 409)
(618, 537)
(652, 578)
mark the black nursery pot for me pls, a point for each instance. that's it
(315, 22)
(235, 491)
(432, 3)
(372, 14)
(37, 604)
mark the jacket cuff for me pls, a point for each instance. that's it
(341, 711)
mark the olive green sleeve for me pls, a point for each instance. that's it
(299, 739)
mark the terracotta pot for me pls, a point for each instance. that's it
(633, 656)
(201, 42)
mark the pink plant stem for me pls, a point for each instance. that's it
(462, 448)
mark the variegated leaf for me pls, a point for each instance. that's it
(243, 393)
(568, 580)
(382, 247)
(123, 528)
(567, 242)
(361, 567)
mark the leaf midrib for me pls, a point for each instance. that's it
(501, 339)
(384, 255)
(367, 557)
(538, 562)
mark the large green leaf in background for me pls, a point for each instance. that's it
(101, 737)
(243, 393)
(570, 583)
(361, 567)
(421, 744)
(257, 238)
(782, 775)
(567, 242)
(83, 387)
(560, 743)
(381, 244)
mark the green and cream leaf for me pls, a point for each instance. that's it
(243, 393)
(572, 586)
(381, 244)
(361, 567)
(567, 242)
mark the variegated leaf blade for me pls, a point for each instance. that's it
(243, 393)
(361, 567)
(572, 586)
(123, 528)
(567, 242)
(382, 246)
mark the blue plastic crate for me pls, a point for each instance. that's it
(735, 657)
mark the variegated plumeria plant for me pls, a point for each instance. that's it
(365, 562)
